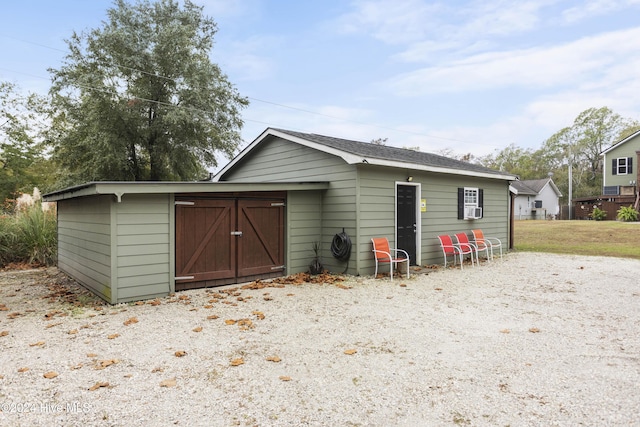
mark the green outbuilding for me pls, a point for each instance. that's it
(262, 214)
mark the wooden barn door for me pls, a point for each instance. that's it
(224, 241)
(261, 246)
(205, 248)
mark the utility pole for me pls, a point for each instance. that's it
(570, 182)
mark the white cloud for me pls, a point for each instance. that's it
(584, 60)
(592, 8)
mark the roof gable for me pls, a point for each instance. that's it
(532, 187)
(358, 152)
(624, 141)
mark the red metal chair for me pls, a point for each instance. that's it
(488, 242)
(384, 254)
(453, 249)
(463, 240)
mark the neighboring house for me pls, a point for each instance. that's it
(265, 210)
(536, 199)
(620, 171)
(620, 180)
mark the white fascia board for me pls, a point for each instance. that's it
(349, 158)
(616, 145)
(417, 166)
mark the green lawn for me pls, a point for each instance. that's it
(605, 238)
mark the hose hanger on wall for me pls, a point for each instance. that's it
(341, 248)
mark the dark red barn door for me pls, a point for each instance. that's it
(223, 241)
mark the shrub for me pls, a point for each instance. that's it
(598, 214)
(627, 213)
(7, 240)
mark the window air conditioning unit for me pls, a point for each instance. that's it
(473, 213)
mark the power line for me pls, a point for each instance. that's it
(248, 97)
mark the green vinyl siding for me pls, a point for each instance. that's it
(278, 160)
(626, 150)
(304, 226)
(84, 242)
(441, 194)
(143, 230)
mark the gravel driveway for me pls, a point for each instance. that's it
(531, 340)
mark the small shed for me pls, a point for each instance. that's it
(261, 215)
(128, 241)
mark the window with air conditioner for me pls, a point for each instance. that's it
(470, 203)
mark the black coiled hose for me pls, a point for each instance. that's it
(341, 248)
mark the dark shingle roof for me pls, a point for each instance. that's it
(385, 152)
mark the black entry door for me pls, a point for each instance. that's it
(406, 225)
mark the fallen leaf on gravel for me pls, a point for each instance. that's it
(13, 315)
(50, 375)
(76, 367)
(154, 370)
(98, 385)
(183, 297)
(290, 295)
(403, 285)
(237, 362)
(534, 330)
(245, 324)
(112, 336)
(230, 322)
(180, 353)
(438, 289)
(275, 359)
(258, 314)
(37, 344)
(197, 329)
(208, 306)
(130, 321)
(51, 325)
(4, 333)
(284, 378)
(341, 286)
(106, 363)
(267, 298)
(92, 355)
(1, 377)
(350, 351)
(212, 317)
(23, 369)
(154, 302)
(193, 309)
(505, 331)
(73, 332)
(85, 326)
(168, 383)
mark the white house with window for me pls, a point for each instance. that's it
(536, 199)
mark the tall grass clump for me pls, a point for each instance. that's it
(29, 236)
(7, 239)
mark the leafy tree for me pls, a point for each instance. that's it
(22, 160)
(525, 163)
(140, 99)
(580, 145)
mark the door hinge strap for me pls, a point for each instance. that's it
(178, 202)
(277, 204)
(279, 267)
(236, 233)
(184, 278)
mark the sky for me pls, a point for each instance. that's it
(447, 76)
